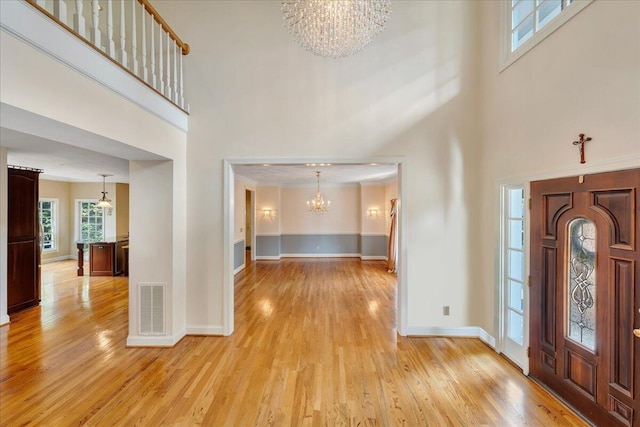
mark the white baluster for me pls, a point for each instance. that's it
(96, 37)
(181, 82)
(145, 70)
(167, 91)
(134, 38)
(175, 73)
(111, 45)
(160, 64)
(78, 19)
(123, 47)
(60, 10)
(41, 3)
(154, 82)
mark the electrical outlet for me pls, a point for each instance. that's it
(317, 248)
(445, 310)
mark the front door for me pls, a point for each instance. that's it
(585, 297)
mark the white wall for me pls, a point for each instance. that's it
(583, 78)
(255, 93)
(4, 236)
(64, 107)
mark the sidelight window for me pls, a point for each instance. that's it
(581, 282)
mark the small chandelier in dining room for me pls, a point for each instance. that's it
(318, 204)
(335, 28)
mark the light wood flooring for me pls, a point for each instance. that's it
(314, 344)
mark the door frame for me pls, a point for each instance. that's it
(402, 301)
(629, 162)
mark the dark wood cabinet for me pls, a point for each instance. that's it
(23, 240)
(101, 259)
(107, 258)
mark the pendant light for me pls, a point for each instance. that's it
(318, 204)
(103, 202)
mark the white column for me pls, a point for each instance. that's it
(134, 38)
(60, 11)
(123, 47)
(78, 19)
(167, 91)
(111, 45)
(160, 64)
(145, 70)
(96, 37)
(154, 82)
(41, 3)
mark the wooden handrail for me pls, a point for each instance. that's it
(184, 47)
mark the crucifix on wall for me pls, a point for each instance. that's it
(580, 143)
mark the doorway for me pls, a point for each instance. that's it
(229, 217)
(585, 297)
(250, 234)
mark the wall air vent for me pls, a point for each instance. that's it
(151, 308)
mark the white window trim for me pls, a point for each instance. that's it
(507, 57)
(76, 228)
(54, 210)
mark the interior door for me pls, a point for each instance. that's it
(585, 297)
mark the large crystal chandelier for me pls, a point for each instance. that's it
(335, 28)
(317, 204)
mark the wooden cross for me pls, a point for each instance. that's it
(581, 144)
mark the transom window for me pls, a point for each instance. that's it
(48, 221)
(530, 21)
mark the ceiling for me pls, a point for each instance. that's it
(61, 162)
(305, 174)
(64, 162)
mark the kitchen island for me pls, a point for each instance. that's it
(106, 257)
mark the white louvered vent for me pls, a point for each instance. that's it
(151, 303)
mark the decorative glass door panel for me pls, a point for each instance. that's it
(581, 283)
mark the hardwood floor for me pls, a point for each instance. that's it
(314, 344)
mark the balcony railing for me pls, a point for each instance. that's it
(132, 34)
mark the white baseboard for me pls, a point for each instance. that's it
(205, 330)
(4, 320)
(320, 255)
(267, 258)
(239, 269)
(56, 259)
(460, 331)
(373, 258)
(154, 340)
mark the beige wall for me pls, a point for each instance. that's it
(61, 191)
(122, 209)
(268, 197)
(67, 193)
(372, 197)
(583, 78)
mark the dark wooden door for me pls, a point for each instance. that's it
(23, 244)
(585, 266)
